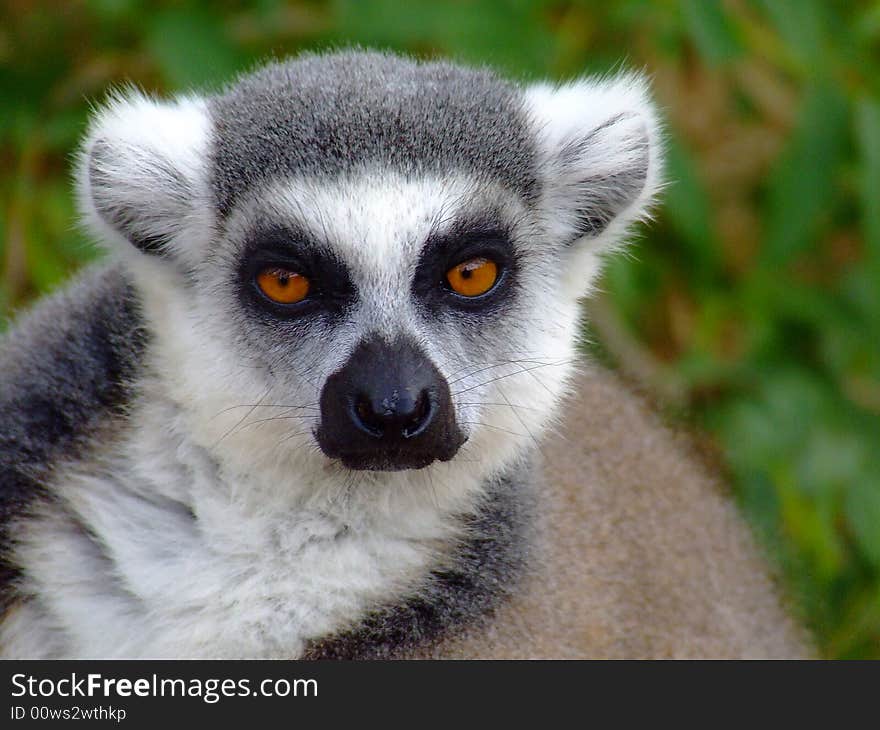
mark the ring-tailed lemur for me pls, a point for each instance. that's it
(298, 413)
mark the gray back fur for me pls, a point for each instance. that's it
(64, 371)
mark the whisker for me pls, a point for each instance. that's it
(508, 375)
(433, 488)
(277, 418)
(311, 406)
(241, 420)
(499, 363)
(519, 418)
(500, 405)
(497, 428)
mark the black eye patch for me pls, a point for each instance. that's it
(331, 290)
(467, 239)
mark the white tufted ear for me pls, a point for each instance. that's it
(600, 154)
(142, 171)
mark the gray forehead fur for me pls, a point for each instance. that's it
(324, 115)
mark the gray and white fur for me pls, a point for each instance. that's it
(175, 482)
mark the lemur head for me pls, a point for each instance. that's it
(361, 262)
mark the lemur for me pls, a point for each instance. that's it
(323, 398)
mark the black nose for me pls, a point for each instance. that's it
(392, 414)
(388, 408)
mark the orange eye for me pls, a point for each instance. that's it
(282, 285)
(473, 277)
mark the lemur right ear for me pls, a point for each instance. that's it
(141, 173)
(599, 154)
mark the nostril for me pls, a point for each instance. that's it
(418, 420)
(365, 418)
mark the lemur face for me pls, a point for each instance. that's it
(400, 299)
(376, 262)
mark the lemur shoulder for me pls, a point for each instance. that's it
(324, 398)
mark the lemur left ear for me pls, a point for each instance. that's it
(600, 154)
(142, 169)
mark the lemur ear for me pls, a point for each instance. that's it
(141, 173)
(600, 154)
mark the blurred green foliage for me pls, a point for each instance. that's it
(752, 303)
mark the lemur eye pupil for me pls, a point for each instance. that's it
(282, 285)
(473, 277)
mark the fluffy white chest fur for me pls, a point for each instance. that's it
(133, 570)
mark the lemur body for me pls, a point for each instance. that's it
(298, 414)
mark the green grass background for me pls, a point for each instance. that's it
(751, 306)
